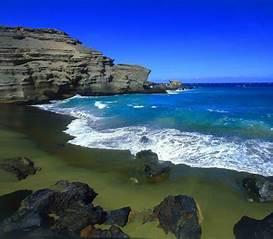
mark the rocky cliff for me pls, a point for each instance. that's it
(37, 65)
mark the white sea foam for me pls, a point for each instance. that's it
(175, 92)
(172, 92)
(153, 106)
(218, 111)
(138, 106)
(77, 113)
(100, 105)
(194, 149)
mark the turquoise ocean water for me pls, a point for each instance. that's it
(213, 125)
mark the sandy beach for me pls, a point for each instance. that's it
(30, 132)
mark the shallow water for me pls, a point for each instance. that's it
(28, 132)
(224, 126)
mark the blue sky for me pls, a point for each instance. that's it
(193, 40)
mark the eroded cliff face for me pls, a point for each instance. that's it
(37, 65)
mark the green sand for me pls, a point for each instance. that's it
(29, 132)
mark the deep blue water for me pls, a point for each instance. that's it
(223, 125)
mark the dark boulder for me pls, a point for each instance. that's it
(22, 167)
(179, 215)
(75, 219)
(249, 228)
(112, 232)
(118, 217)
(21, 220)
(37, 233)
(259, 188)
(63, 195)
(9, 203)
(151, 166)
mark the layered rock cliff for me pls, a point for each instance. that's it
(37, 65)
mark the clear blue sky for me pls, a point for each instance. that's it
(174, 38)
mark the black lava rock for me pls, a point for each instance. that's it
(152, 167)
(179, 215)
(259, 188)
(22, 167)
(249, 228)
(118, 217)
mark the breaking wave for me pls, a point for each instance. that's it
(239, 139)
(193, 149)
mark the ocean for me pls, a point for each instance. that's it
(212, 125)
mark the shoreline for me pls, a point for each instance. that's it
(217, 191)
(79, 118)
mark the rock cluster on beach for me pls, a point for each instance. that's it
(66, 209)
(37, 65)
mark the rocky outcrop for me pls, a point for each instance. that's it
(163, 87)
(65, 209)
(37, 65)
(21, 167)
(249, 228)
(258, 188)
(174, 85)
(179, 215)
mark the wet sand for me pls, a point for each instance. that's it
(30, 132)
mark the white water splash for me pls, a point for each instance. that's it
(100, 105)
(194, 149)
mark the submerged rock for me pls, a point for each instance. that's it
(118, 217)
(22, 167)
(152, 167)
(249, 228)
(144, 139)
(259, 188)
(179, 215)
